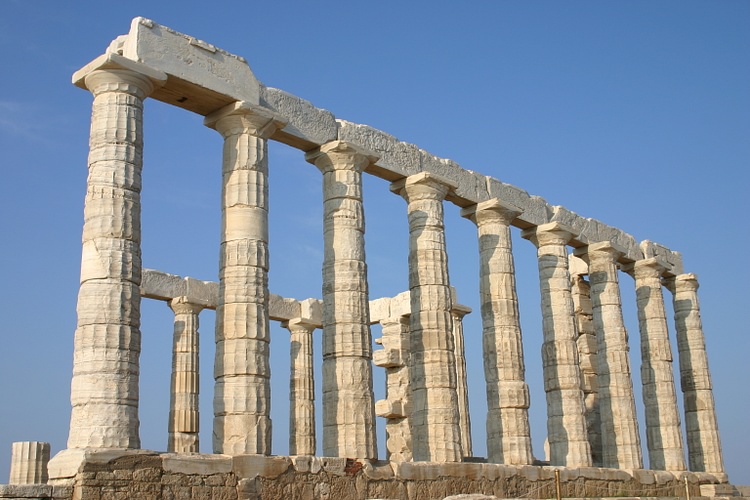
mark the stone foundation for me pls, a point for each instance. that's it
(128, 474)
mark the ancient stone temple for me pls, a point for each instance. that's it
(592, 427)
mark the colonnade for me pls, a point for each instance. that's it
(591, 416)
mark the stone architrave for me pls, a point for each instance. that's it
(621, 443)
(301, 388)
(702, 430)
(663, 434)
(184, 418)
(462, 388)
(28, 462)
(348, 400)
(242, 422)
(508, 431)
(566, 421)
(587, 350)
(435, 421)
(394, 357)
(104, 389)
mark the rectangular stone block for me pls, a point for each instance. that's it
(306, 125)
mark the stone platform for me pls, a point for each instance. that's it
(126, 474)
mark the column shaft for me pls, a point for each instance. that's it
(566, 422)
(704, 445)
(436, 433)
(104, 389)
(242, 422)
(301, 389)
(394, 357)
(508, 431)
(587, 356)
(462, 387)
(621, 443)
(348, 401)
(28, 462)
(663, 434)
(184, 418)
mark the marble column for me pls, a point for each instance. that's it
(104, 388)
(435, 421)
(462, 388)
(348, 400)
(508, 432)
(587, 353)
(28, 462)
(394, 357)
(702, 430)
(663, 434)
(242, 422)
(566, 422)
(184, 417)
(621, 442)
(301, 388)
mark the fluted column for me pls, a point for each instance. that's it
(663, 434)
(462, 388)
(242, 422)
(566, 423)
(28, 462)
(436, 433)
(104, 389)
(587, 354)
(702, 430)
(621, 442)
(395, 408)
(184, 418)
(301, 388)
(348, 400)
(508, 432)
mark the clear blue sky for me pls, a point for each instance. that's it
(636, 113)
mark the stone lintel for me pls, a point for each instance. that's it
(265, 120)
(343, 148)
(493, 204)
(111, 61)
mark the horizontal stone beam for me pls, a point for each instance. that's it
(203, 78)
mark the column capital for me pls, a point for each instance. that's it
(423, 185)
(340, 155)
(183, 305)
(244, 117)
(300, 323)
(113, 72)
(460, 311)
(646, 268)
(601, 250)
(552, 233)
(493, 210)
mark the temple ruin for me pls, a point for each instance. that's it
(592, 426)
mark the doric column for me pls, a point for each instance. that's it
(242, 423)
(348, 401)
(462, 388)
(104, 389)
(566, 422)
(587, 350)
(621, 442)
(184, 418)
(508, 432)
(394, 357)
(28, 462)
(702, 430)
(663, 434)
(436, 433)
(301, 388)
